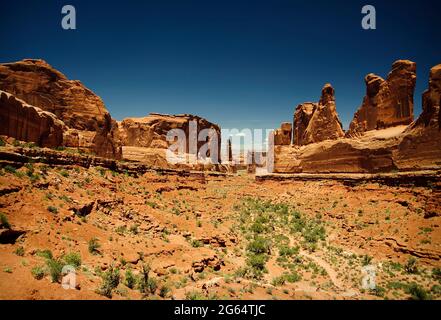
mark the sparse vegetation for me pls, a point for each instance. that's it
(417, 292)
(110, 281)
(73, 259)
(4, 222)
(20, 251)
(38, 272)
(94, 246)
(131, 279)
(55, 267)
(411, 266)
(52, 209)
(147, 285)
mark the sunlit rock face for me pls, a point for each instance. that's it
(28, 123)
(40, 85)
(316, 122)
(387, 102)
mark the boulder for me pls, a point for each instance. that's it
(387, 102)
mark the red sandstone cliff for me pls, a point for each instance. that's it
(28, 123)
(316, 122)
(83, 112)
(387, 102)
(415, 147)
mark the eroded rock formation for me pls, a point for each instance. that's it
(421, 142)
(316, 122)
(151, 132)
(28, 123)
(395, 148)
(302, 117)
(387, 102)
(83, 112)
(282, 136)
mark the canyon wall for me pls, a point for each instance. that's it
(385, 144)
(89, 124)
(28, 123)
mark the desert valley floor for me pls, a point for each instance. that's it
(176, 235)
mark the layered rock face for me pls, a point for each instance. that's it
(282, 136)
(421, 142)
(318, 122)
(151, 132)
(415, 147)
(302, 117)
(28, 123)
(387, 102)
(83, 112)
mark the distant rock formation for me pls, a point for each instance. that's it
(401, 148)
(28, 123)
(316, 122)
(151, 131)
(387, 102)
(229, 151)
(83, 112)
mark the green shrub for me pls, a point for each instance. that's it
(55, 267)
(134, 229)
(293, 277)
(278, 281)
(10, 169)
(436, 273)
(194, 295)
(73, 259)
(20, 251)
(130, 279)
(4, 223)
(257, 264)
(258, 227)
(287, 251)
(38, 272)
(94, 246)
(52, 209)
(111, 280)
(366, 260)
(411, 266)
(417, 292)
(196, 243)
(146, 284)
(164, 291)
(259, 246)
(64, 173)
(436, 289)
(379, 291)
(47, 254)
(2, 142)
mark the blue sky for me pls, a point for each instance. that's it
(241, 64)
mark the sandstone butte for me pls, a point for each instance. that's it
(382, 137)
(39, 104)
